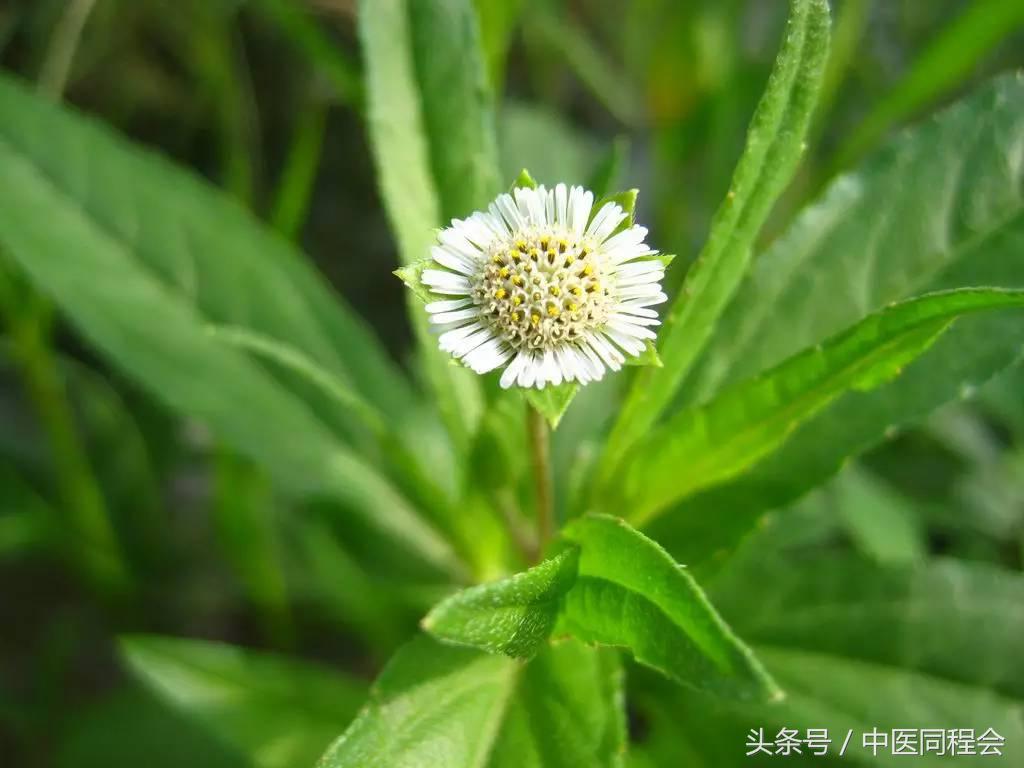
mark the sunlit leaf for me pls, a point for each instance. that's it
(629, 593)
(440, 705)
(774, 145)
(703, 446)
(513, 616)
(278, 712)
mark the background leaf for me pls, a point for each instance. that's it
(278, 712)
(197, 243)
(416, 94)
(124, 306)
(943, 65)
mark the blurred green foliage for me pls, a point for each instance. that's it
(118, 516)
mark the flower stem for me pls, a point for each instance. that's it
(540, 453)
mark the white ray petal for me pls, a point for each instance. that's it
(580, 204)
(528, 373)
(468, 344)
(605, 221)
(447, 306)
(487, 356)
(447, 257)
(449, 283)
(630, 344)
(561, 205)
(629, 329)
(450, 340)
(511, 372)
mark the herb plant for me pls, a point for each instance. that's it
(620, 493)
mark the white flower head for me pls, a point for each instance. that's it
(544, 288)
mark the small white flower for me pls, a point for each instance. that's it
(543, 288)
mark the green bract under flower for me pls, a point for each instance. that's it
(544, 289)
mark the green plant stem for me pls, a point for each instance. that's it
(77, 486)
(29, 320)
(54, 75)
(540, 456)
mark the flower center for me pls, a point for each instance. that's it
(542, 288)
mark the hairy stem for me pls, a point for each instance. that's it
(540, 454)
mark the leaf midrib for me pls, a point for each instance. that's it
(918, 280)
(703, 644)
(792, 414)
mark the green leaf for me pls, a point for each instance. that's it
(884, 524)
(630, 593)
(404, 116)
(525, 180)
(192, 241)
(858, 646)
(603, 178)
(440, 705)
(948, 619)
(458, 109)
(412, 276)
(546, 143)
(432, 705)
(938, 208)
(292, 359)
(553, 401)
(28, 523)
(131, 726)
(312, 40)
(559, 34)
(146, 323)
(568, 711)
(279, 712)
(498, 22)
(774, 145)
(945, 63)
(648, 357)
(513, 616)
(626, 200)
(701, 447)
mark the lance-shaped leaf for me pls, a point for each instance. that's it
(774, 145)
(438, 705)
(406, 110)
(704, 446)
(194, 242)
(857, 646)
(630, 593)
(66, 233)
(939, 207)
(277, 711)
(514, 616)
